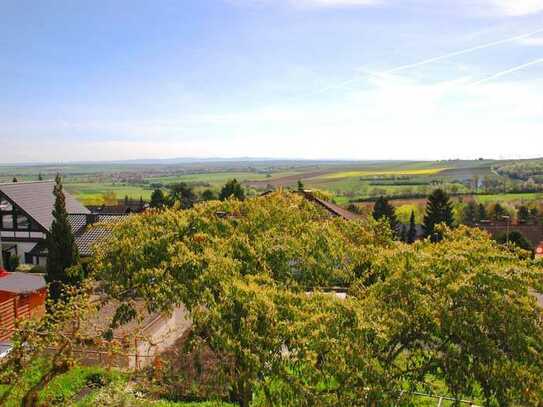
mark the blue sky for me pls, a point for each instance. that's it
(363, 79)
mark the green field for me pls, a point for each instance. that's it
(346, 181)
(528, 197)
(93, 193)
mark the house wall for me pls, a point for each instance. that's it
(22, 249)
(160, 335)
(157, 336)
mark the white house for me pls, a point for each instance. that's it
(26, 215)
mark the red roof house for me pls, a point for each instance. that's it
(22, 295)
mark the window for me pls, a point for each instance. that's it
(6, 214)
(22, 222)
(5, 206)
(7, 221)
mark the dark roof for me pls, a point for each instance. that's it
(86, 234)
(332, 208)
(534, 233)
(86, 237)
(36, 199)
(78, 221)
(21, 283)
(116, 209)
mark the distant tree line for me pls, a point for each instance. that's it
(184, 195)
(439, 210)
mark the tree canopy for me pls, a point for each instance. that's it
(383, 210)
(254, 275)
(232, 189)
(438, 210)
(158, 199)
(181, 194)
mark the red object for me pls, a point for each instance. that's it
(539, 250)
(3, 272)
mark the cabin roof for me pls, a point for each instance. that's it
(36, 199)
(21, 283)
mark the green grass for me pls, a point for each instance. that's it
(218, 178)
(509, 197)
(92, 192)
(63, 388)
(66, 389)
(32, 376)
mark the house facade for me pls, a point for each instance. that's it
(26, 215)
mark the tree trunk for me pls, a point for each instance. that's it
(31, 397)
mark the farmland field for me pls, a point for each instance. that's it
(347, 181)
(509, 197)
(92, 193)
(348, 174)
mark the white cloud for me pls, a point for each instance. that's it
(532, 42)
(517, 7)
(513, 8)
(391, 118)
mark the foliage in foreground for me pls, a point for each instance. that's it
(460, 310)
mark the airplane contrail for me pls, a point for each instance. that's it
(464, 51)
(507, 72)
(440, 58)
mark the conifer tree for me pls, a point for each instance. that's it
(438, 210)
(382, 209)
(208, 195)
(412, 231)
(232, 189)
(523, 214)
(498, 212)
(62, 251)
(158, 200)
(403, 234)
(470, 214)
(301, 186)
(182, 193)
(482, 215)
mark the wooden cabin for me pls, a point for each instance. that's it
(22, 295)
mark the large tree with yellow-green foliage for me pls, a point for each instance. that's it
(255, 276)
